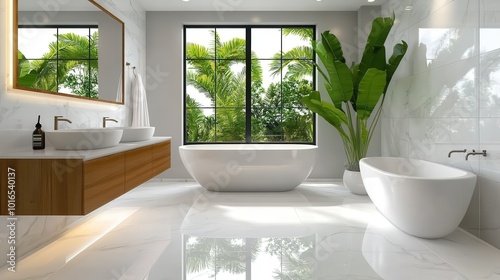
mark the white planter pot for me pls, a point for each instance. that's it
(353, 182)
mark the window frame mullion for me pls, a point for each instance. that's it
(248, 83)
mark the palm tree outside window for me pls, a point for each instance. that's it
(60, 58)
(243, 84)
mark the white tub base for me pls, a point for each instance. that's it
(422, 198)
(248, 168)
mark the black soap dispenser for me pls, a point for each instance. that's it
(38, 136)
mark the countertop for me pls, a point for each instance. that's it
(51, 153)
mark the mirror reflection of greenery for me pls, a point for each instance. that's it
(65, 65)
(215, 256)
(277, 114)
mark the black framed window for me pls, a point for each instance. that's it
(243, 84)
(59, 58)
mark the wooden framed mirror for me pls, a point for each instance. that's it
(69, 48)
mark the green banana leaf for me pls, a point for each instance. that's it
(374, 52)
(371, 87)
(355, 91)
(397, 55)
(339, 76)
(340, 82)
(332, 46)
(381, 27)
(327, 111)
(26, 77)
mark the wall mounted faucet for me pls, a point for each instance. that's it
(57, 119)
(456, 151)
(475, 153)
(105, 119)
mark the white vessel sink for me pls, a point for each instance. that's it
(134, 134)
(84, 139)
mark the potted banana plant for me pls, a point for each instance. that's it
(356, 93)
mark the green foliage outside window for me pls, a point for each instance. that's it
(217, 70)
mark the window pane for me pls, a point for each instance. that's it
(200, 98)
(266, 42)
(270, 119)
(200, 125)
(199, 43)
(271, 72)
(230, 83)
(231, 43)
(74, 78)
(39, 74)
(231, 125)
(74, 43)
(200, 81)
(94, 43)
(288, 124)
(298, 39)
(297, 125)
(293, 90)
(33, 43)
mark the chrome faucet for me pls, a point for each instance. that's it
(457, 151)
(57, 119)
(105, 119)
(475, 153)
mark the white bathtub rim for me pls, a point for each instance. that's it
(464, 173)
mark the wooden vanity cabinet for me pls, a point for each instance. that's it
(161, 158)
(104, 180)
(75, 186)
(145, 163)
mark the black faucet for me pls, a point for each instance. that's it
(475, 153)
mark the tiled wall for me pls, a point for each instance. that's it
(447, 94)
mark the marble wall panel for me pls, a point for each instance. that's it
(451, 81)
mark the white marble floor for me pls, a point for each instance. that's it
(177, 231)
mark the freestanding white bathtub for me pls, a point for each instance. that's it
(422, 198)
(249, 167)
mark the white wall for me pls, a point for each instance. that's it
(446, 96)
(165, 89)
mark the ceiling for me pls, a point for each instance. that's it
(256, 5)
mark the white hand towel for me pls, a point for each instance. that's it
(140, 114)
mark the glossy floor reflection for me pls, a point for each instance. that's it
(178, 231)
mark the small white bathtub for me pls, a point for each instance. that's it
(249, 167)
(422, 198)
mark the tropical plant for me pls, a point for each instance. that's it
(200, 127)
(356, 91)
(281, 114)
(223, 83)
(65, 64)
(297, 59)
